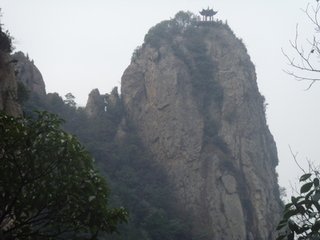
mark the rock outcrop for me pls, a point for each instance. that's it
(8, 86)
(95, 103)
(192, 95)
(98, 103)
(29, 74)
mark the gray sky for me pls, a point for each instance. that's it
(79, 45)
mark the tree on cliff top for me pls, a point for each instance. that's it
(166, 30)
(5, 39)
(48, 186)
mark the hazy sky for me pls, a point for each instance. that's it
(79, 45)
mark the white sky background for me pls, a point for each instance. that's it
(79, 45)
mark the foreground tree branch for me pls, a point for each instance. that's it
(304, 63)
(48, 185)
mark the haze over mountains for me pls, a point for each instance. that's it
(185, 147)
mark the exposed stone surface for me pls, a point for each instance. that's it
(98, 103)
(95, 103)
(29, 74)
(8, 86)
(225, 181)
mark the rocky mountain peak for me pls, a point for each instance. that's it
(191, 93)
(95, 103)
(28, 74)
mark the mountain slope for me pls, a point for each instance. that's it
(191, 92)
(185, 147)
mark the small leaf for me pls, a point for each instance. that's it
(306, 187)
(304, 177)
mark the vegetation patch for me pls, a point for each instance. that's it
(55, 193)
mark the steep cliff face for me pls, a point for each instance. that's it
(8, 86)
(191, 92)
(29, 74)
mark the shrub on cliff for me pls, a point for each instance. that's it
(166, 30)
(5, 39)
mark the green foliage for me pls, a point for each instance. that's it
(206, 88)
(301, 216)
(70, 100)
(203, 71)
(161, 33)
(165, 31)
(136, 53)
(136, 183)
(142, 187)
(5, 39)
(185, 19)
(48, 185)
(53, 103)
